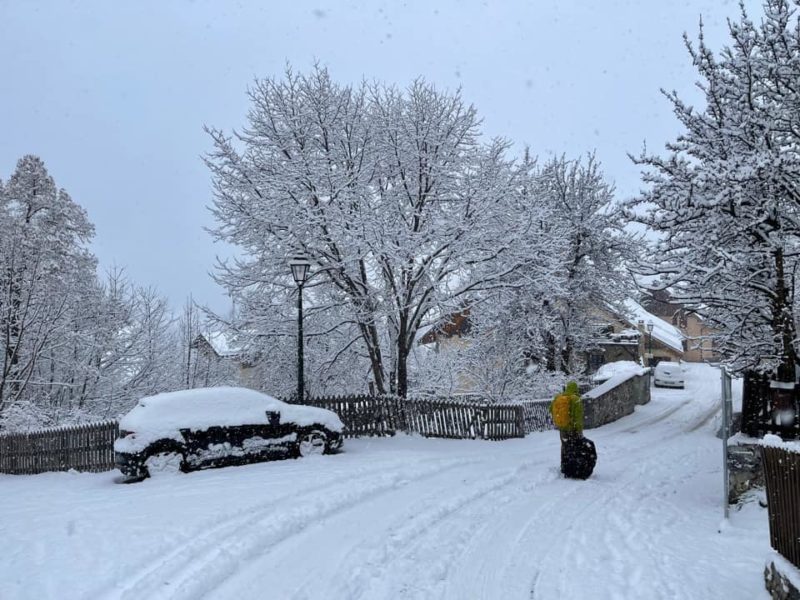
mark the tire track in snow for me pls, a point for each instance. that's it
(705, 417)
(405, 543)
(209, 533)
(618, 495)
(438, 523)
(441, 530)
(191, 572)
(535, 532)
(655, 419)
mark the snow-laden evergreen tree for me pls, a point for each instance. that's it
(404, 212)
(45, 270)
(73, 348)
(724, 200)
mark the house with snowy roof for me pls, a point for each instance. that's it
(220, 360)
(700, 346)
(445, 331)
(620, 335)
(633, 333)
(216, 344)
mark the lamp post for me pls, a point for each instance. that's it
(642, 347)
(650, 326)
(300, 266)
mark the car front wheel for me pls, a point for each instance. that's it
(312, 443)
(164, 463)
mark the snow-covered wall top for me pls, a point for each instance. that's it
(616, 380)
(774, 441)
(612, 369)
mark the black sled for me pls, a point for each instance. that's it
(578, 458)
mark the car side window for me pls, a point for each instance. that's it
(273, 418)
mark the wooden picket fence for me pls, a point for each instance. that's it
(81, 447)
(782, 477)
(91, 447)
(438, 417)
(536, 415)
(464, 420)
(364, 415)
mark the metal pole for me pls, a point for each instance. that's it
(725, 380)
(650, 351)
(300, 379)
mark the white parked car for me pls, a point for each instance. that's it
(210, 427)
(668, 374)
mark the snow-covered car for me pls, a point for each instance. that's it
(210, 427)
(668, 374)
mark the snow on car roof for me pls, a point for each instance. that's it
(164, 415)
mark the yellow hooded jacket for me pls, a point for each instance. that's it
(570, 395)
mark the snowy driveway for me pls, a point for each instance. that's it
(405, 518)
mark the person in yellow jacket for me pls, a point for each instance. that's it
(566, 409)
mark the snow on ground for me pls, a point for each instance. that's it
(406, 517)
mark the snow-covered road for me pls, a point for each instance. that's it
(405, 518)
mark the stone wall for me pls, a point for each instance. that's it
(781, 579)
(615, 399)
(745, 471)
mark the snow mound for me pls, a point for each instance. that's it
(774, 441)
(609, 370)
(610, 384)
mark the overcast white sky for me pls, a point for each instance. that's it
(113, 96)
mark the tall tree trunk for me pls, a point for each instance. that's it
(783, 321)
(402, 357)
(370, 334)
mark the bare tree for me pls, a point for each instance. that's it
(405, 213)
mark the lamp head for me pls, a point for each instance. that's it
(300, 266)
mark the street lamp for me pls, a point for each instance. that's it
(650, 326)
(300, 266)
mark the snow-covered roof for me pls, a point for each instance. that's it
(664, 332)
(451, 325)
(423, 330)
(626, 337)
(222, 343)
